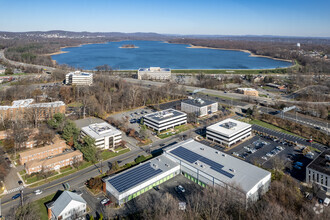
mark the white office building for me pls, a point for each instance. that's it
(228, 132)
(199, 107)
(79, 78)
(207, 166)
(140, 179)
(199, 163)
(105, 135)
(154, 73)
(163, 120)
(318, 171)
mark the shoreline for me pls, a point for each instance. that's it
(245, 51)
(128, 47)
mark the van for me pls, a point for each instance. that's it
(326, 201)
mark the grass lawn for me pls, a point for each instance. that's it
(109, 154)
(42, 207)
(65, 169)
(219, 96)
(270, 126)
(22, 172)
(226, 71)
(177, 130)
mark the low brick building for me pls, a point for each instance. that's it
(27, 109)
(30, 143)
(54, 163)
(57, 147)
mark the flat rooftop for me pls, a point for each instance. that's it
(228, 127)
(321, 163)
(26, 103)
(87, 121)
(217, 164)
(198, 102)
(79, 73)
(155, 69)
(100, 130)
(141, 173)
(247, 89)
(164, 115)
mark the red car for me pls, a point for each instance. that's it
(309, 140)
(108, 203)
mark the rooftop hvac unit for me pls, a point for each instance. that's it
(223, 155)
(202, 148)
(232, 170)
(155, 165)
(167, 165)
(158, 159)
(217, 152)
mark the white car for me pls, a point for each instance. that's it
(104, 201)
(264, 158)
(38, 192)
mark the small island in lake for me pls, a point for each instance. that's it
(128, 46)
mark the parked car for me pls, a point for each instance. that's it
(180, 189)
(38, 192)
(299, 163)
(16, 196)
(297, 167)
(20, 182)
(264, 158)
(156, 188)
(104, 201)
(107, 203)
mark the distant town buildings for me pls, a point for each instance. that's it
(228, 132)
(199, 106)
(27, 109)
(57, 147)
(79, 78)
(53, 162)
(163, 120)
(248, 91)
(154, 73)
(69, 205)
(201, 164)
(105, 135)
(318, 171)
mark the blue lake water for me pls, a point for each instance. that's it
(157, 53)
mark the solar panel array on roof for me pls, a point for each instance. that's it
(228, 125)
(133, 177)
(192, 157)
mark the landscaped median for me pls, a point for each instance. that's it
(36, 179)
(174, 131)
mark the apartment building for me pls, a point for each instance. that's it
(318, 171)
(228, 132)
(27, 109)
(163, 120)
(200, 107)
(105, 135)
(54, 163)
(154, 73)
(29, 143)
(248, 91)
(57, 147)
(79, 78)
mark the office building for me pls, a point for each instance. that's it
(105, 135)
(154, 73)
(207, 166)
(165, 119)
(68, 206)
(318, 171)
(139, 179)
(248, 91)
(228, 132)
(79, 78)
(199, 107)
(53, 162)
(199, 163)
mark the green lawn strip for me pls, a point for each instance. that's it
(65, 169)
(226, 71)
(109, 154)
(43, 214)
(177, 130)
(84, 165)
(49, 179)
(270, 126)
(22, 172)
(219, 96)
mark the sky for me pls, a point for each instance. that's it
(231, 17)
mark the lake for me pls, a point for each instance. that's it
(161, 54)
